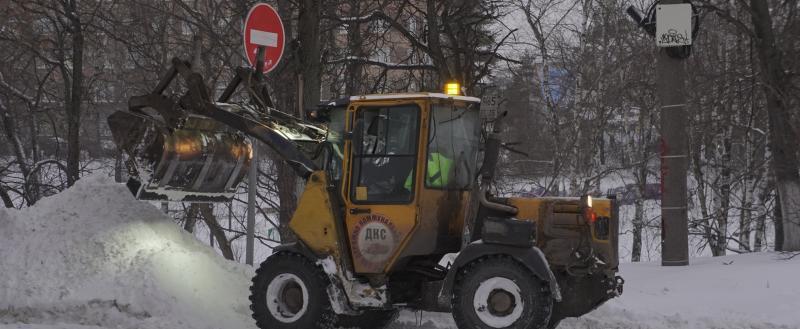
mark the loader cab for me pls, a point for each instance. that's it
(409, 161)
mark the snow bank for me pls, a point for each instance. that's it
(739, 291)
(751, 291)
(93, 255)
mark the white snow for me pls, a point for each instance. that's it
(751, 291)
(328, 265)
(92, 257)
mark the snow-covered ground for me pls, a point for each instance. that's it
(92, 257)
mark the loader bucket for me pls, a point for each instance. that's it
(201, 161)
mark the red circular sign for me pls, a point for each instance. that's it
(263, 27)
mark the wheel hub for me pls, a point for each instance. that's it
(498, 302)
(293, 297)
(501, 302)
(287, 298)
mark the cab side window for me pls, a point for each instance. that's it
(453, 141)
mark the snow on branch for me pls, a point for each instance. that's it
(388, 66)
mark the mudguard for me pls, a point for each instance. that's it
(532, 258)
(297, 247)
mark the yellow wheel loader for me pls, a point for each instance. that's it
(396, 211)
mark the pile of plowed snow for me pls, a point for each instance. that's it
(94, 256)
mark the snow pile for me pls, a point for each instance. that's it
(93, 255)
(751, 291)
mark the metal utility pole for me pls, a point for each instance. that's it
(673, 149)
(252, 186)
(671, 83)
(673, 24)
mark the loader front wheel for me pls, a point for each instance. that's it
(498, 292)
(289, 291)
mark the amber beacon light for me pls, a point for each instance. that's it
(452, 88)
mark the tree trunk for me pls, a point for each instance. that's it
(10, 127)
(285, 98)
(287, 182)
(191, 218)
(74, 102)
(760, 240)
(719, 247)
(782, 139)
(33, 181)
(702, 198)
(745, 218)
(641, 186)
(216, 230)
(353, 84)
(119, 167)
(6, 198)
(778, 217)
(310, 68)
(638, 225)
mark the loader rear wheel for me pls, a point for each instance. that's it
(498, 292)
(289, 291)
(553, 324)
(372, 319)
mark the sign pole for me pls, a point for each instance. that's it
(263, 41)
(252, 186)
(671, 75)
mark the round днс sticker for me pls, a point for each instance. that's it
(375, 239)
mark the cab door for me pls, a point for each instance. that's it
(380, 196)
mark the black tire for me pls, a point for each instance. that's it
(283, 270)
(371, 319)
(553, 324)
(491, 275)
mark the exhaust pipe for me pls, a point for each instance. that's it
(491, 157)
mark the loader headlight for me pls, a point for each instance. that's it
(187, 147)
(588, 211)
(249, 151)
(237, 151)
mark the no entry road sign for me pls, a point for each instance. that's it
(263, 27)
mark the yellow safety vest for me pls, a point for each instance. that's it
(439, 167)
